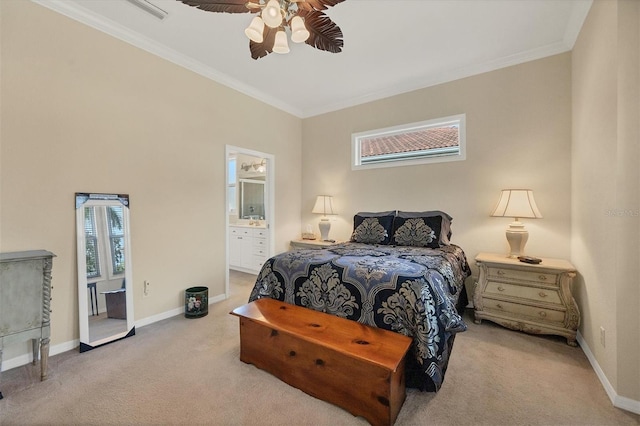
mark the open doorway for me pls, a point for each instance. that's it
(250, 211)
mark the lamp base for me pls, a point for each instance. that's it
(324, 226)
(517, 237)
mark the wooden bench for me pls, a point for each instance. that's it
(355, 366)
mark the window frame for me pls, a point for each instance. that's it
(116, 240)
(91, 239)
(404, 159)
(103, 237)
(232, 185)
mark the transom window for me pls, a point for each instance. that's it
(432, 141)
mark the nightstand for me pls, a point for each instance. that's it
(535, 299)
(310, 244)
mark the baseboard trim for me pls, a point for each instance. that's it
(618, 401)
(26, 358)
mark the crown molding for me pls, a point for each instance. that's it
(576, 20)
(122, 33)
(446, 77)
(77, 13)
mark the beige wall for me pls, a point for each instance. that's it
(83, 111)
(605, 194)
(518, 136)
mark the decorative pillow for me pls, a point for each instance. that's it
(424, 229)
(445, 235)
(373, 228)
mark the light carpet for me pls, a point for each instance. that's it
(187, 371)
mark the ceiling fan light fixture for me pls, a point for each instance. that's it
(255, 30)
(271, 14)
(280, 45)
(299, 32)
(304, 20)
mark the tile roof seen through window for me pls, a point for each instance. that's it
(421, 140)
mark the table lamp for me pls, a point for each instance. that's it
(324, 206)
(517, 203)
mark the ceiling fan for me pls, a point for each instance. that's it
(305, 20)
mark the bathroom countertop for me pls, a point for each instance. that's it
(246, 225)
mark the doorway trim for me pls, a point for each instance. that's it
(269, 202)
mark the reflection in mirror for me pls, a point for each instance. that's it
(246, 187)
(252, 199)
(104, 269)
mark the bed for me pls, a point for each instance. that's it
(399, 272)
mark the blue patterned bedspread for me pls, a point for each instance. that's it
(409, 290)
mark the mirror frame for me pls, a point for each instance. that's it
(241, 195)
(83, 200)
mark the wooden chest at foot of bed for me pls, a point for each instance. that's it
(352, 365)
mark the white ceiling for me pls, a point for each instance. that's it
(390, 46)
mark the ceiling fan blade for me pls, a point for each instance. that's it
(224, 6)
(260, 50)
(324, 33)
(317, 4)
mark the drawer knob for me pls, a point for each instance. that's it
(542, 294)
(542, 314)
(500, 288)
(500, 272)
(542, 277)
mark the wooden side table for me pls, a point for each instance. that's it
(311, 244)
(535, 299)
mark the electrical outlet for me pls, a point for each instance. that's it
(145, 290)
(602, 340)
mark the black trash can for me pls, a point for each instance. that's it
(196, 302)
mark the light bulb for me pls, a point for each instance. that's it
(271, 14)
(280, 45)
(255, 30)
(299, 33)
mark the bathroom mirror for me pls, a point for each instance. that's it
(252, 199)
(105, 298)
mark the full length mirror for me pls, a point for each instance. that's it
(105, 298)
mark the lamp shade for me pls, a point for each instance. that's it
(271, 14)
(255, 30)
(324, 205)
(299, 32)
(280, 44)
(517, 203)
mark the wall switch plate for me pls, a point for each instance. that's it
(602, 337)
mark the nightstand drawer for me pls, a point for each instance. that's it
(523, 292)
(513, 274)
(532, 298)
(532, 312)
